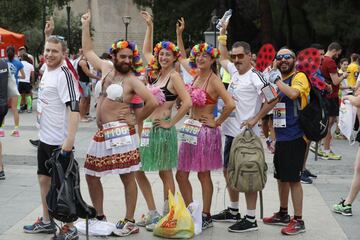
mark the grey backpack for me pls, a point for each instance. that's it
(247, 167)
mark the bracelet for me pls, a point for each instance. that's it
(222, 39)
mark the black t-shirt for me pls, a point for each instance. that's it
(82, 76)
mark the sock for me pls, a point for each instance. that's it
(234, 206)
(18, 102)
(29, 102)
(250, 218)
(101, 217)
(204, 214)
(283, 211)
(297, 217)
(153, 213)
(250, 212)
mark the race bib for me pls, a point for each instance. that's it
(116, 134)
(190, 131)
(279, 115)
(145, 134)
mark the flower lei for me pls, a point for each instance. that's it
(137, 64)
(202, 47)
(154, 63)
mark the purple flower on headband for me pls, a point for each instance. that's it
(165, 44)
(136, 58)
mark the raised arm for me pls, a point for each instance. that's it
(224, 56)
(148, 41)
(180, 26)
(87, 46)
(49, 27)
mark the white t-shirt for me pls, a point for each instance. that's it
(28, 68)
(246, 92)
(56, 88)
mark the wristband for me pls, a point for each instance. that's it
(222, 39)
(65, 153)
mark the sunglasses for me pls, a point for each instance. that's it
(58, 37)
(285, 56)
(239, 56)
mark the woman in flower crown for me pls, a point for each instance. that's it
(158, 145)
(200, 149)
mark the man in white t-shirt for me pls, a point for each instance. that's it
(58, 118)
(245, 87)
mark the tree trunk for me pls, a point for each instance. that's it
(266, 23)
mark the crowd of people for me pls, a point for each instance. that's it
(136, 120)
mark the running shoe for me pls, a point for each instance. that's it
(310, 174)
(40, 227)
(2, 133)
(121, 223)
(67, 233)
(15, 133)
(148, 219)
(294, 227)
(342, 208)
(331, 156)
(128, 229)
(2, 175)
(226, 216)
(277, 219)
(207, 222)
(244, 225)
(304, 178)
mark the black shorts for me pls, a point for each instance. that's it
(43, 154)
(24, 88)
(3, 112)
(227, 147)
(289, 160)
(332, 106)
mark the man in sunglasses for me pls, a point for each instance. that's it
(246, 89)
(290, 147)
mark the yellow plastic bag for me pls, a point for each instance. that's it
(178, 222)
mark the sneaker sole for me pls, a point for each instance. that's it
(294, 233)
(207, 226)
(303, 182)
(242, 231)
(40, 231)
(2, 178)
(342, 213)
(127, 234)
(277, 224)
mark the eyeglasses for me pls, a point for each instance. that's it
(239, 56)
(287, 56)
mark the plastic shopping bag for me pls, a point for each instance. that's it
(196, 214)
(178, 222)
(347, 116)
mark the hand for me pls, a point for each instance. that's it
(85, 19)
(162, 123)
(274, 75)
(210, 122)
(66, 147)
(249, 123)
(49, 27)
(147, 17)
(180, 26)
(224, 26)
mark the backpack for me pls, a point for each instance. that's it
(247, 167)
(64, 199)
(314, 119)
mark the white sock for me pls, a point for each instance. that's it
(234, 205)
(250, 215)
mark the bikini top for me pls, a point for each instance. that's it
(169, 96)
(209, 100)
(114, 91)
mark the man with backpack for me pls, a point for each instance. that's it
(245, 87)
(57, 118)
(290, 145)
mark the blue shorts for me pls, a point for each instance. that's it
(86, 89)
(227, 147)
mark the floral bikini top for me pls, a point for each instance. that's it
(198, 95)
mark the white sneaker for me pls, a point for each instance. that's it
(128, 229)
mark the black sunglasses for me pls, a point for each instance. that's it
(286, 56)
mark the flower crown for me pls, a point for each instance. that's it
(202, 47)
(154, 63)
(137, 64)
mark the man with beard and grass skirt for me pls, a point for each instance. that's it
(159, 143)
(114, 148)
(200, 149)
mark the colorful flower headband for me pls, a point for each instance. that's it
(137, 64)
(202, 47)
(154, 63)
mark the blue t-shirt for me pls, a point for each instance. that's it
(15, 66)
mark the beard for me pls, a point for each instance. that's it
(289, 69)
(123, 68)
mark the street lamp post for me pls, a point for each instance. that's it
(214, 21)
(68, 9)
(126, 21)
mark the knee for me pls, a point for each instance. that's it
(166, 175)
(127, 179)
(181, 177)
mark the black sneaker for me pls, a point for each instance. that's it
(304, 178)
(309, 174)
(226, 216)
(244, 225)
(206, 222)
(2, 175)
(35, 143)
